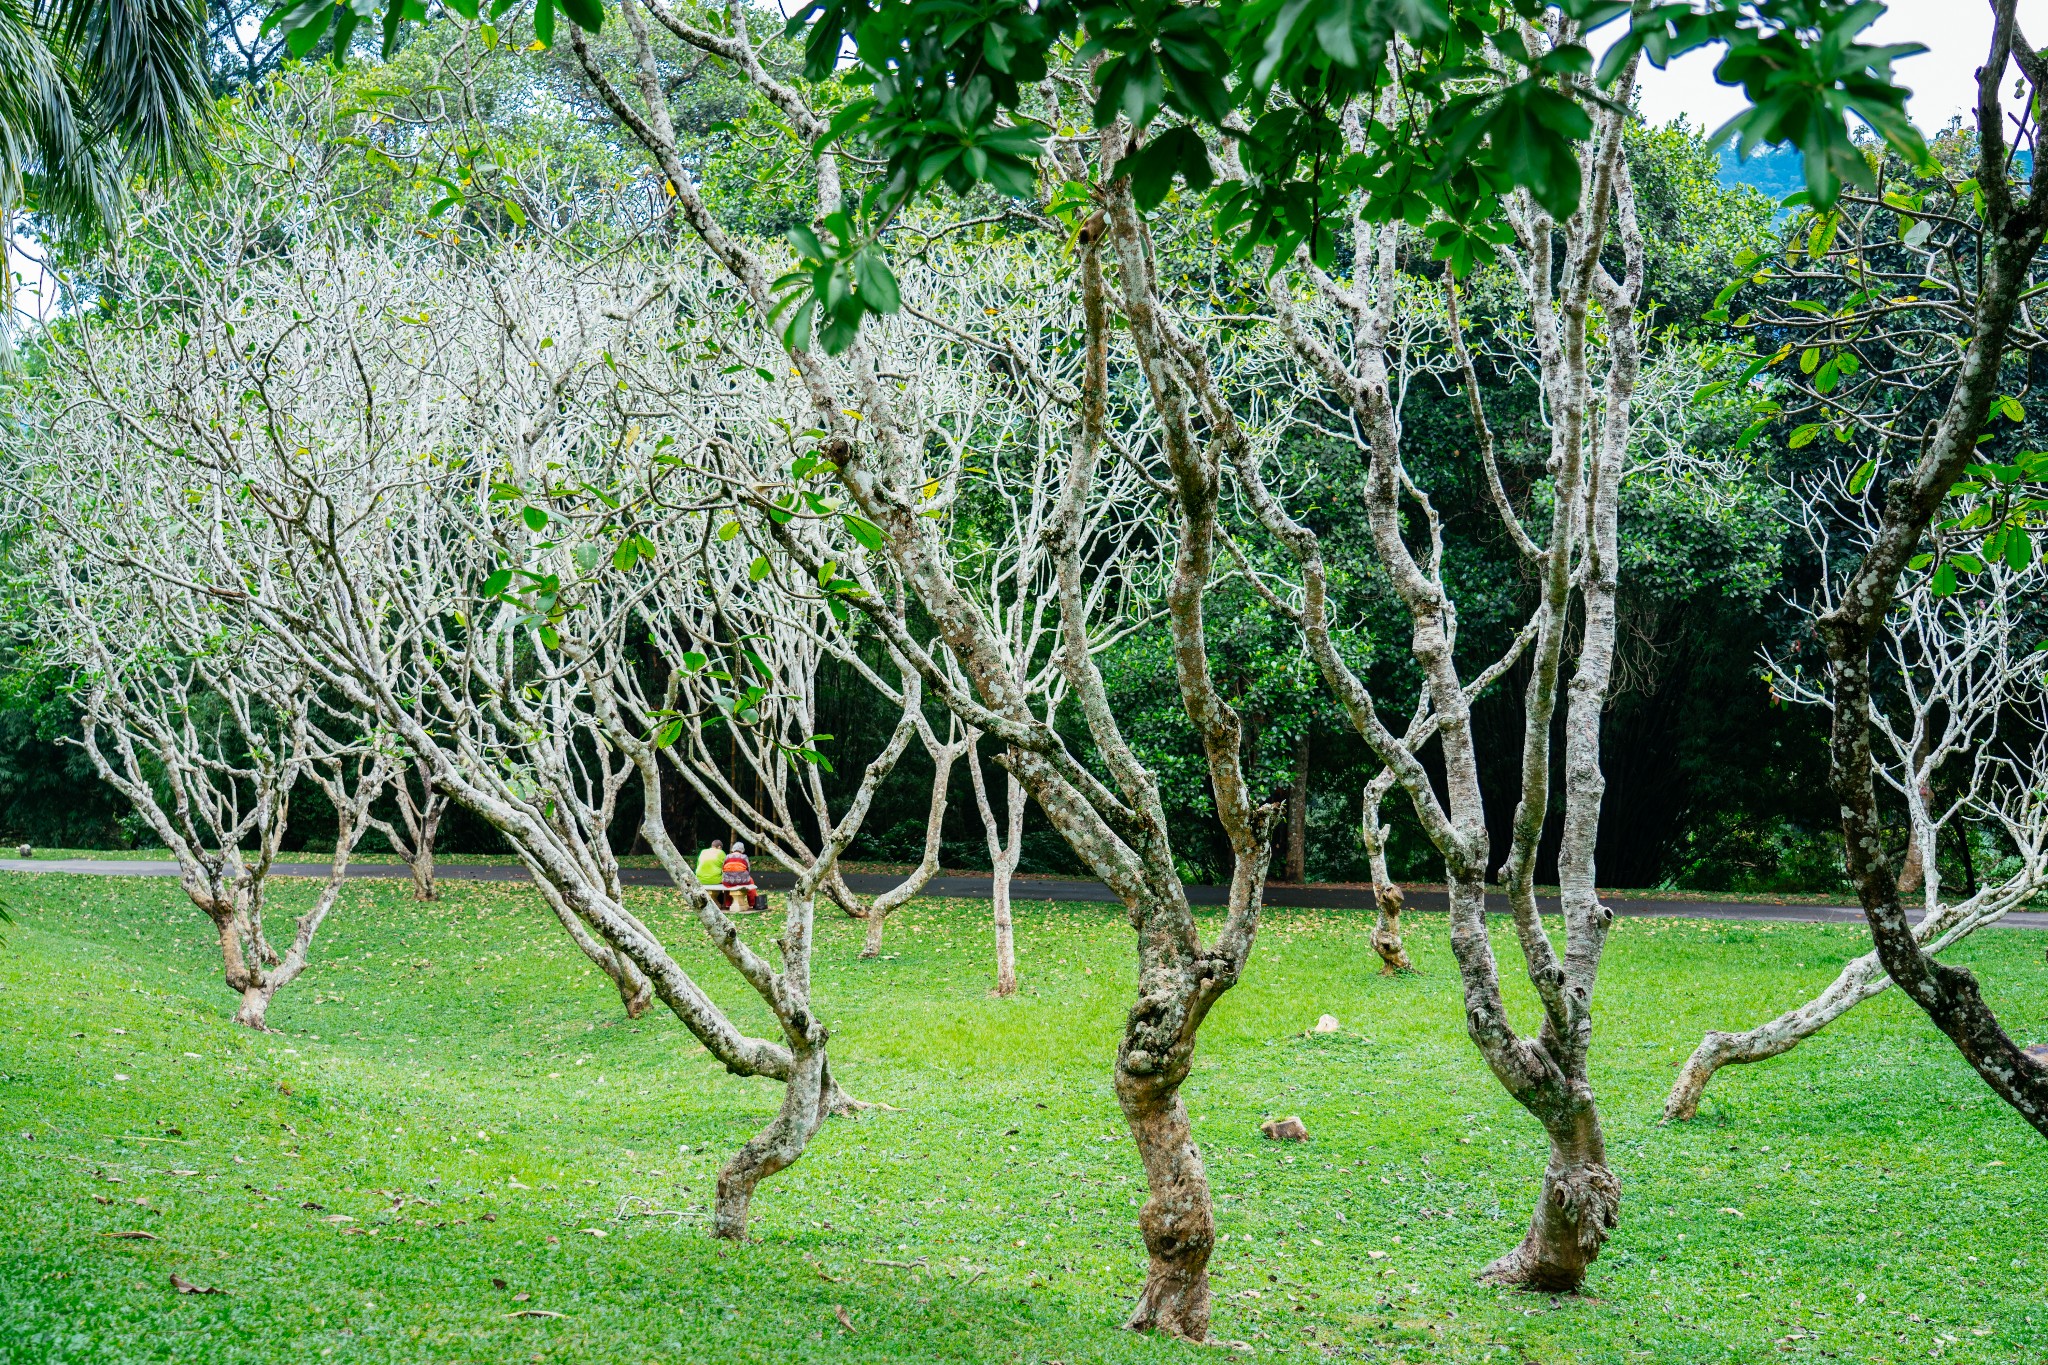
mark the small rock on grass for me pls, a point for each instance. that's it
(1327, 1024)
(1289, 1129)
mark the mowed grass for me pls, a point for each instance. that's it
(454, 1100)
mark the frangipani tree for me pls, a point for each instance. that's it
(202, 723)
(1958, 705)
(1901, 323)
(415, 469)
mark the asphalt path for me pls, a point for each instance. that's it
(971, 887)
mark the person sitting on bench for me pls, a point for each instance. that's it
(711, 872)
(739, 876)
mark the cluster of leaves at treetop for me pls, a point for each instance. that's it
(1478, 110)
(949, 78)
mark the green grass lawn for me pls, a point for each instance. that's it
(455, 1124)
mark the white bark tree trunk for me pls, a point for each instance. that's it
(1004, 850)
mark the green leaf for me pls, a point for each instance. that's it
(495, 585)
(1943, 583)
(877, 285)
(866, 532)
(588, 15)
(2019, 548)
(759, 569)
(627, 555)
(1860, 480)
(535, 518)
(1804, 436)
(729, 530)
(669, 733)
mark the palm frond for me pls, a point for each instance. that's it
(144, 62)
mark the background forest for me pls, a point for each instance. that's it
(1714, 784)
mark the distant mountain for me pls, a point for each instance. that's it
(1777, 171)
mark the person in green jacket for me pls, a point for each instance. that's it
(711, 872)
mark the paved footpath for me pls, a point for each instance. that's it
(1045, 889)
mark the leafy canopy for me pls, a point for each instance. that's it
(1460, 102)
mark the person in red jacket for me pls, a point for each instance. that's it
(739, 876)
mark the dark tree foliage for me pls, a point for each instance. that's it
(49, 795)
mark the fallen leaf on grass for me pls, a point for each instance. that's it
(335, 1217)
(309, 1204)
(1732, 1213)
(184, 1173)
(132, 1236)
(497, 1283)
(532, 1313)
(593, 1232)
(839, 1311)
(185, 1286)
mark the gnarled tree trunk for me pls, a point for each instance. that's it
(807, 1099)
(1386, 934)
(1859, 981)
(1580, 1201)
(1178, 1221)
